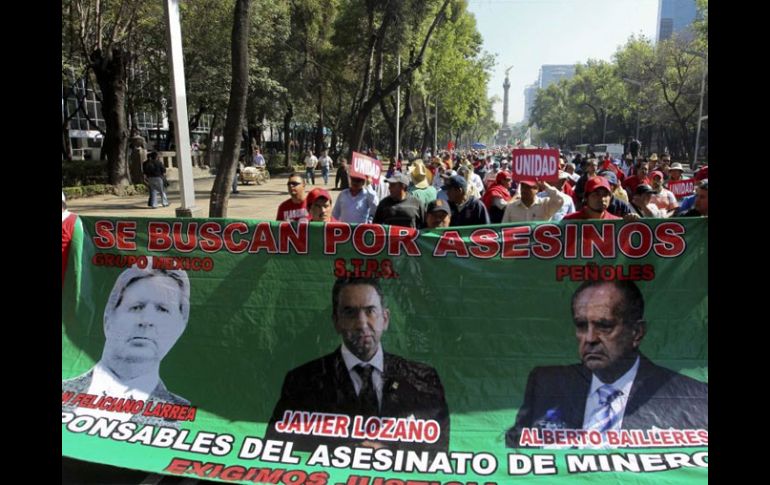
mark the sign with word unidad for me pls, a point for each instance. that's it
(362, 166)
(535, 163)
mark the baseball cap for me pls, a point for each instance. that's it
(597, 183)
(657, 173)
(439, 205)
(315, 194)
(456, 181)
(529, 182)
(502, 175)
(642, 189)
(610, 176)
(398, 178)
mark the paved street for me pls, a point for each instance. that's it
(253, 201)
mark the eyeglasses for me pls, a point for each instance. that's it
(294, 184)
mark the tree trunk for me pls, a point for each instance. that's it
(110, 72)
(319, 135)
(287, 133)
(220, 192)
(427, 134)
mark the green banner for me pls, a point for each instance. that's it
(264, 352)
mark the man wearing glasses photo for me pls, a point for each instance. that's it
(294, 208)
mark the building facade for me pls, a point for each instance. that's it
(675, 17)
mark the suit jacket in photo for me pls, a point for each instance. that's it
(556, 399)
(159, 394)
(408, 389)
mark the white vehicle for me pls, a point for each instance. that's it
(614, 149)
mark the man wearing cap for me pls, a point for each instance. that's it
(676, 172)
(466, 210)
(640, 177)
(438, 214)
(420, 186)
(295, 207)
(530, 207)
(618, 206)
(400, 208)
(617, 190)
(68, 221)
(497, 197)
(640, 202)
(569, 205)
(319, 205)
(662, 198)
(355, 204)
(701, 200)
(598, 195)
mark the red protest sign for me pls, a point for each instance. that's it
(536, 163)
(681, 188)
(362, 166)
(450, 145)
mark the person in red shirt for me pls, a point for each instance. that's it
(598, 195)
(319, 205)
(294, 208)
(497, 197)
(642, 169)
(68, 220)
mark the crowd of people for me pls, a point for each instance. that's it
(476, 187)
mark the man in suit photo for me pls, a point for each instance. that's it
(360, 379)
(615, 387)
(146, 313)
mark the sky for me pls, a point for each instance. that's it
(526, 34)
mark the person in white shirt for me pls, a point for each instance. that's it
(257, 160)
(146, 313)
(326, 163)
(531, 207)
(310, 165)
(356, 204)
(569, 205)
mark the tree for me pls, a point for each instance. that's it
(382, 16)
(102, 30)
(236, 109)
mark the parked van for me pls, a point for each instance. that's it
(614, 149)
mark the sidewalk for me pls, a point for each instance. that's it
(252, 202)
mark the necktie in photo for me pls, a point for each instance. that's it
(367, 398)
(604, 417)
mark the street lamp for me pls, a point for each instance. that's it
(702, 93)
(639, 85)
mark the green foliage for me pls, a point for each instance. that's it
(659, 84)
(82, 191)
